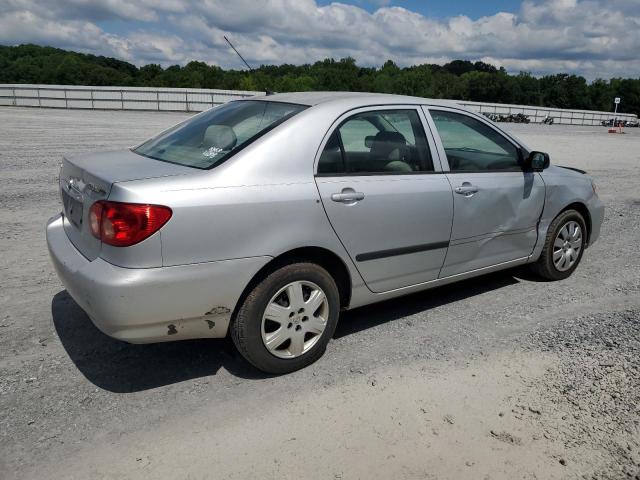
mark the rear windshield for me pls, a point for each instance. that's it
(208, 139)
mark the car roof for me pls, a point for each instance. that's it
(351, 99)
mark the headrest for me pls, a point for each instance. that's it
(221, 136)
(390, 137)
(384, 143)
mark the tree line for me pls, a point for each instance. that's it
(457, 80)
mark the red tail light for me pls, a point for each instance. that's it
(125, 224)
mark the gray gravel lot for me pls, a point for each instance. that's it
(497, 377)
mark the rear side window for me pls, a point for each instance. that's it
(208, 139)
(377, 142)
(472, 145)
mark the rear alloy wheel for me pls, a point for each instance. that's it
(286, 321)
(295, 319)
(563, 248)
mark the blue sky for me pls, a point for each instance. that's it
(594, 38)
(443, 9)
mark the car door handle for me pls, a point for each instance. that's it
(347, 197)
(466, 189)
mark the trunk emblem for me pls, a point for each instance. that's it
(95, 189)
(79, 186)
(75, 184)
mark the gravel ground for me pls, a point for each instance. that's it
(597, 380)
(497, 377)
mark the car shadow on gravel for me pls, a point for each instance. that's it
(121, 367)
(373, 315)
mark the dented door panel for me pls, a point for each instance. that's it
(497, 223)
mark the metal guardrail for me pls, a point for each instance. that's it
(117, 98)
(198, 99)
(538, 114)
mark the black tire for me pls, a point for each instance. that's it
(544, 266)
(246, 326)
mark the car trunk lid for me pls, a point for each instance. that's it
(85, 179)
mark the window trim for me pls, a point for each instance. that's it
(521, 151)
(345, 116)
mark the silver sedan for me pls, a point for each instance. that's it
(264, 218)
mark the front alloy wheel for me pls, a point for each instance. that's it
(567, 246)
(563, 248)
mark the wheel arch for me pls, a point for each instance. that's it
(582, 209)
(318, 255)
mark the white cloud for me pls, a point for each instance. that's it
(591, 37)
(71, 34)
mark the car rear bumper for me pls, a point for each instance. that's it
(145, 305)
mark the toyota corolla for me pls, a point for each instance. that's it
(264, 218)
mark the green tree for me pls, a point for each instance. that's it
(459, 79)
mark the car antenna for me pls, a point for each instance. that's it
(268, 92)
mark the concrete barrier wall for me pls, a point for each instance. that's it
(196, 100)
(117, 98)
(537, 114)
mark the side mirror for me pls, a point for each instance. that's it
(537, 161)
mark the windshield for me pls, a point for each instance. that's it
(211, 137)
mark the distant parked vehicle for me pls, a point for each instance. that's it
(613, 122)
(494, 117)
(520, 118)
(512, 118)
(264, 218)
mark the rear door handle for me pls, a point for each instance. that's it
(347, 196)
(466, 189)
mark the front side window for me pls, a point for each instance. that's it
(210, 138)
(472, 145)
(382, 141)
